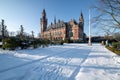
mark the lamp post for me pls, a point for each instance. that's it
(89, 42)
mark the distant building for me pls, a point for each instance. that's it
(61, 30)
(101, 38)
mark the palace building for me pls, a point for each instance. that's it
(61, 30)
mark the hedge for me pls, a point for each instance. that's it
(10, 43)
(116, 45)
(113, 50)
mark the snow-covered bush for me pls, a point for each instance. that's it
(10, 43)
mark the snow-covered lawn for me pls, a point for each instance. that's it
(66, 62)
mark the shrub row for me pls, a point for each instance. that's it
(12, 43)
(113, 50)
(116, 45)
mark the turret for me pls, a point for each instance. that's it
(43, 21)
(81, 21)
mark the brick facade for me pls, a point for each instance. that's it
(62, 30)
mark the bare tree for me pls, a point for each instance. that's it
(38, 35)
(108, 15)
(116, 36)
(32, 34)
(4, 30)
(21, 31)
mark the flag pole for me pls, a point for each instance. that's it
(89, 42)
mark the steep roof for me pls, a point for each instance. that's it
(59, 24)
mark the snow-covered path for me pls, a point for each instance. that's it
(67, 62)
(101, 64)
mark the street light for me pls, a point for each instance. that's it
(89, 42)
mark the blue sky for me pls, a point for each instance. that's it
(28, 12)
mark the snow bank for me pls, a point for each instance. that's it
(66, 62)
(0, 43)
(22, 55)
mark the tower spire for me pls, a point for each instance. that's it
(43, 13)
(81, 20)
(81, 14)
(43, 21)
(55, 19)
